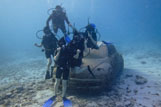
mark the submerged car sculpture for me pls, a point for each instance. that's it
(105, 63)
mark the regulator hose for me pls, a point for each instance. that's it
(48, 12)
(37, 34)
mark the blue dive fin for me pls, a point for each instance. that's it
(67, 102)
(107, 43)
(67, 39)
(49, 102)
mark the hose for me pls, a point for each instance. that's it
(48, 12)
(38, 33)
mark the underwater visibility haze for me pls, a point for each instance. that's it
(132, 26)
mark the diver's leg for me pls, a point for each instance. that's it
(48, 74)
(63, 29)
(57, 81)
(53, 73)
(56, 86)
(47, 54)
(49, 62)
(64, 82)
(64, 88)
(55, 28)
(53, 68)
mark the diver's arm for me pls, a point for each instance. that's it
(86, 49)
(66, 19)
(48, 20)
(76, 56)
(57, 54)
(85, 46)
(38, 45)
(93, 41)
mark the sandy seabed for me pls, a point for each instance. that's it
(23, 85)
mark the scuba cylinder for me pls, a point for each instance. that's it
(48, 11)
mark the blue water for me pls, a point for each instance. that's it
(131, 25)
(127, 23)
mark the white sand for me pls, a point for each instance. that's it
(145, 64)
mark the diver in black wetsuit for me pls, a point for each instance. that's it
(61, 59)
(58, 18)
(76, 48)
(49, 43)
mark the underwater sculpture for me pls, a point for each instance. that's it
(105, 63)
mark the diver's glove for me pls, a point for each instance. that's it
(77, 54)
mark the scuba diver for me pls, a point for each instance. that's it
(49, 43)
(91, 36)
(76, 48)
(58, 18)
(68, 57)
(61, 59)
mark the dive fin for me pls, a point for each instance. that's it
(67, 39)
(107, 43)
(49, 102)
(67, 102)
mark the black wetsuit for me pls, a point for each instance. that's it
(49, 43)
(58, 20)
(62, 64)
(72, 47)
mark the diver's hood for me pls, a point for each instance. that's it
(76, 35)
(61, 42)
(91, 27)
(75, 32)
(59, 8)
